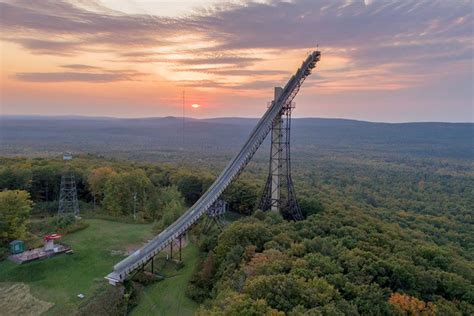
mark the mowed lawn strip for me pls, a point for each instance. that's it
(61, 278)
(167, 297)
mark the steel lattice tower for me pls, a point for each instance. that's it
(68, 203)
(279, 193)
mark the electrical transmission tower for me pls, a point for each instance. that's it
(68, 203)
(279, 193)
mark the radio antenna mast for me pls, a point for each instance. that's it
(183, 116)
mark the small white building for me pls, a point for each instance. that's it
(67, 156)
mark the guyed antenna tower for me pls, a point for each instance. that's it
(184, 102)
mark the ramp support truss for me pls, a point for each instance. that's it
(279, 192)
(177, 242)
(215, 215)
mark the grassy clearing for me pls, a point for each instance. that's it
(60, 279)
(16, 299)
(168, 297)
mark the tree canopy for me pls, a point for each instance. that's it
(15, 207)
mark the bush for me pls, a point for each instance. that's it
(146, 278)
(63, 225)
(310, 206)
(47, 207)
(3, 252)
(191, 187)
(108, 301)
(64, 221)
(33, 241)
(77, 226)
(99, 214)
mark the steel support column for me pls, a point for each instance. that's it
(276, 158)
(279, 193)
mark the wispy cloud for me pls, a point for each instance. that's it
(80, 67)
(70, 76)
(229, 60)
(231, 71)
(366, 44)
(50, 47)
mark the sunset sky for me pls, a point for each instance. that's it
(391, 61)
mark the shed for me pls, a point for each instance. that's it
(17, 246)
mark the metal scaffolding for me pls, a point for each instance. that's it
(279, 192)
(215, 214)
(68, 203)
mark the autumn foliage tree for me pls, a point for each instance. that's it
(409, 305)
(97, 180)
(127, 191)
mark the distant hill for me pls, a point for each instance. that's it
(29, 134)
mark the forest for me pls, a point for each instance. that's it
(120, 190)
(388, 230)
(377, 239)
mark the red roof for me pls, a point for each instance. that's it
(52, 236)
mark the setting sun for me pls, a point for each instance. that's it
(195, 105)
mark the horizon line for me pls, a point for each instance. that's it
(218, 117)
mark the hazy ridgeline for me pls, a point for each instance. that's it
(146, 138)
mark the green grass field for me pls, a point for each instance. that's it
(167, 297)
(60, 279)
